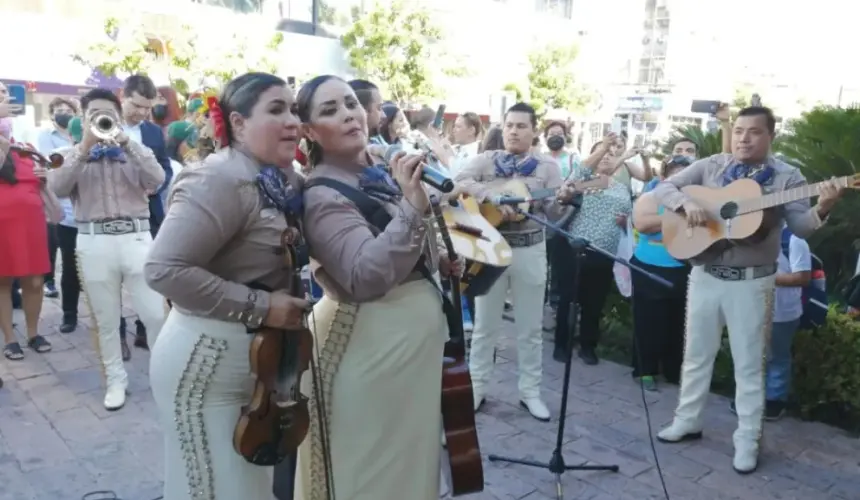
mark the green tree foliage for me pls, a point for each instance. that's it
(552, 84)
(399, 47)
(822, 144)
(518, 92)
(124, 47)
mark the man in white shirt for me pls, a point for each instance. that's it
(794, 272)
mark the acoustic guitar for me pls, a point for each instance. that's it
(486, 251)
(735, 213)
(516, 188)
(458, 398)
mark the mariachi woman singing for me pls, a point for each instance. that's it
(218, 251)
(380, 330)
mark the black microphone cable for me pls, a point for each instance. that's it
(648, 423)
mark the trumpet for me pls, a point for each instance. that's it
(54, 160)
(104, 125)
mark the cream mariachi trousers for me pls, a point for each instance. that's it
(526, 278)
(201, 377)
(746, 308)
(106, 264)
(381, 365)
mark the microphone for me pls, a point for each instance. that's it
(433, 176)
(511, 200)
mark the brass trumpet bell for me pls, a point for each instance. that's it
(104, 125)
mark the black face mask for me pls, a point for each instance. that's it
(159, 111)
(62, 120)
(555, 143)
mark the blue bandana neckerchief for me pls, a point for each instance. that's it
(763, 174)
(112, 153)
(508, 164)
(278, 192)
(376, 181)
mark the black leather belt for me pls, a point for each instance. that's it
(730, 273)
(519, 240)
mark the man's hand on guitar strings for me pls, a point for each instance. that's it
(508, 212)
(696, 215)
(447, 268)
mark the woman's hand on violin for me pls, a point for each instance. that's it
(286, 311)
(406, 170)
(448, 268)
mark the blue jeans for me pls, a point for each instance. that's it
(779, 360)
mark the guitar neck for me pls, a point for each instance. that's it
(452, 256)
(780, 198)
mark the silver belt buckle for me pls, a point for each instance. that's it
(117, 227)
(726, 273)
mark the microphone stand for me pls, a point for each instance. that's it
(556, 464)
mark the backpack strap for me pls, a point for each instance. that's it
(378, 217)
(370, 209)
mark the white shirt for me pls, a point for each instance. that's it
(133, 133)
(788, 303)
(462, 154)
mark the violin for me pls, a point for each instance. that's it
(54, 160)
(273, 425)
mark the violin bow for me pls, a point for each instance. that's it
(318, 394)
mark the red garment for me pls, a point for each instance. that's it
(23, 229)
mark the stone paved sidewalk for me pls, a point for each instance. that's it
(57, 442)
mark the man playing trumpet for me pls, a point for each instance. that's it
(108, 178)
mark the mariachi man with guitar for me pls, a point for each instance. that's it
(482, 178)
(725, 214)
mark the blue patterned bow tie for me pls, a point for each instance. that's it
(112, 153)
(508, 164)
(278, 192)
(376, 181)
(762, 174)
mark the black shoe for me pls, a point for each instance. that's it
(140, 336)
(559, 355)
(126, 352)
(69, 325)
(774, 410)
(588, 356)
(51, 291)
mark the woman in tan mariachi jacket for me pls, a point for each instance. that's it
(216, 256)
(380, 330)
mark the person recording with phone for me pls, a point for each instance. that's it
(108, 177)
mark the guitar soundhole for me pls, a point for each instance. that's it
(729, 210)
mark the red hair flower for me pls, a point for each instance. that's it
(219, 124)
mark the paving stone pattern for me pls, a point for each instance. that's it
(57, 442)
